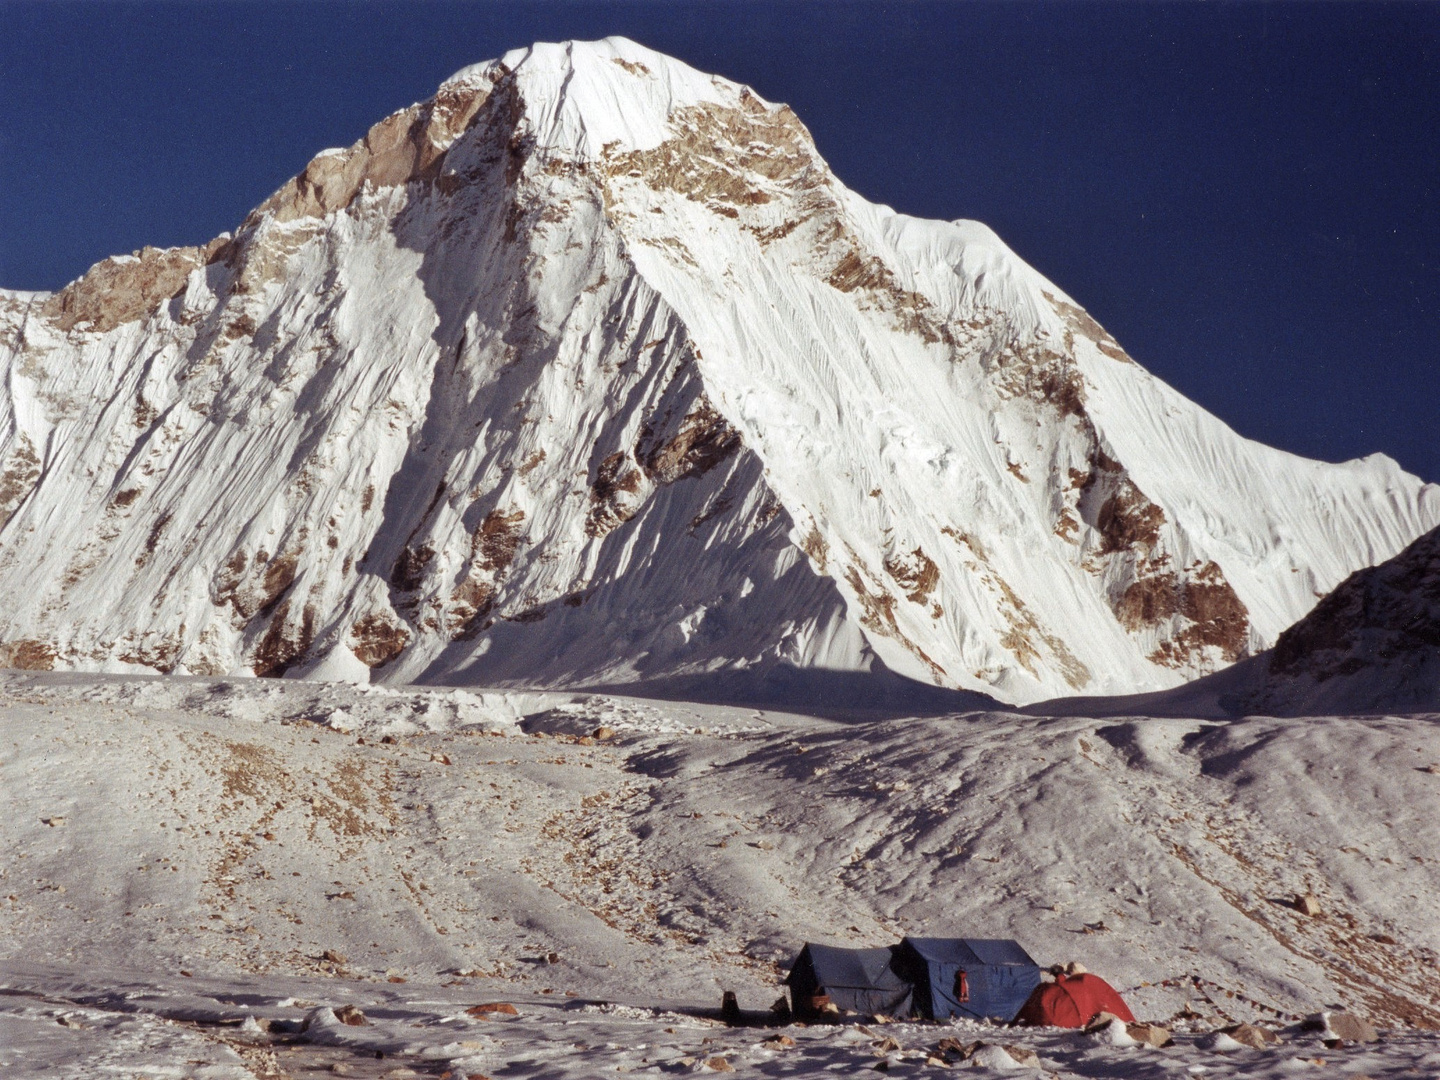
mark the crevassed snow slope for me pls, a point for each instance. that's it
(588, 370)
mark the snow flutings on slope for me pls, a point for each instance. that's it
(587, 371)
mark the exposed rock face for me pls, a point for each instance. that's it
(589, 370)
(1372, 645)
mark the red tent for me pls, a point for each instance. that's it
(1073, 1001)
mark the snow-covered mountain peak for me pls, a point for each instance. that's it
(583, 96)
(588, 369)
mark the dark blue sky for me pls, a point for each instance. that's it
(1247, 196)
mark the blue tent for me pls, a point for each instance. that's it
(973, 978)
(855, 980)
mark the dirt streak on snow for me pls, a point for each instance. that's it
(215, 826)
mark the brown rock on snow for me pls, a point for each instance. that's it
(1306, 904)
(1023, 1055)
(1149, 1034)
(330, 956)
(1350, 1028)
(955, 1050)
(1101, 1022)
(719, 1064)
(493, 1008)
(1257, 1038)
(350, 1015)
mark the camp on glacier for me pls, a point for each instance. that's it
(664, 558)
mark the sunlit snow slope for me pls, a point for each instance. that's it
(587, 371)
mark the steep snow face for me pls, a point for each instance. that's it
(589, 370)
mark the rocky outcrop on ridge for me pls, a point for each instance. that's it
(589, 371)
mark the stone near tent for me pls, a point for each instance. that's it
(350, 1016)
(1150, 1035)
(1306, 904)
(1257, 1038)
(951, 1050)
(493, 1008)
(1101, 1022)
(1348, 1027)
(1023, 1056)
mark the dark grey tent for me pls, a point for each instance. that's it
(855, 980)
(975, 978)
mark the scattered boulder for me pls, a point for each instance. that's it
(54, 822)
(1150, 1035)
(1344, 1026)
(1306, 904)
(989, 1056)
(602, 733)
(493, 1008)
(330, 956)
(350, 1016)
(1112, 1030)
(778, 1042)
(954, 1050)
(886, 1045)
(1220, 1043)
(1023, 1055)
(1257, 1038)
(443, 759)
(1102, 1022)
(719, 1064)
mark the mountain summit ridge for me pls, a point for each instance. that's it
(588, 370)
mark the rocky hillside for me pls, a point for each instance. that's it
(589, 371)
(1372, 645)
